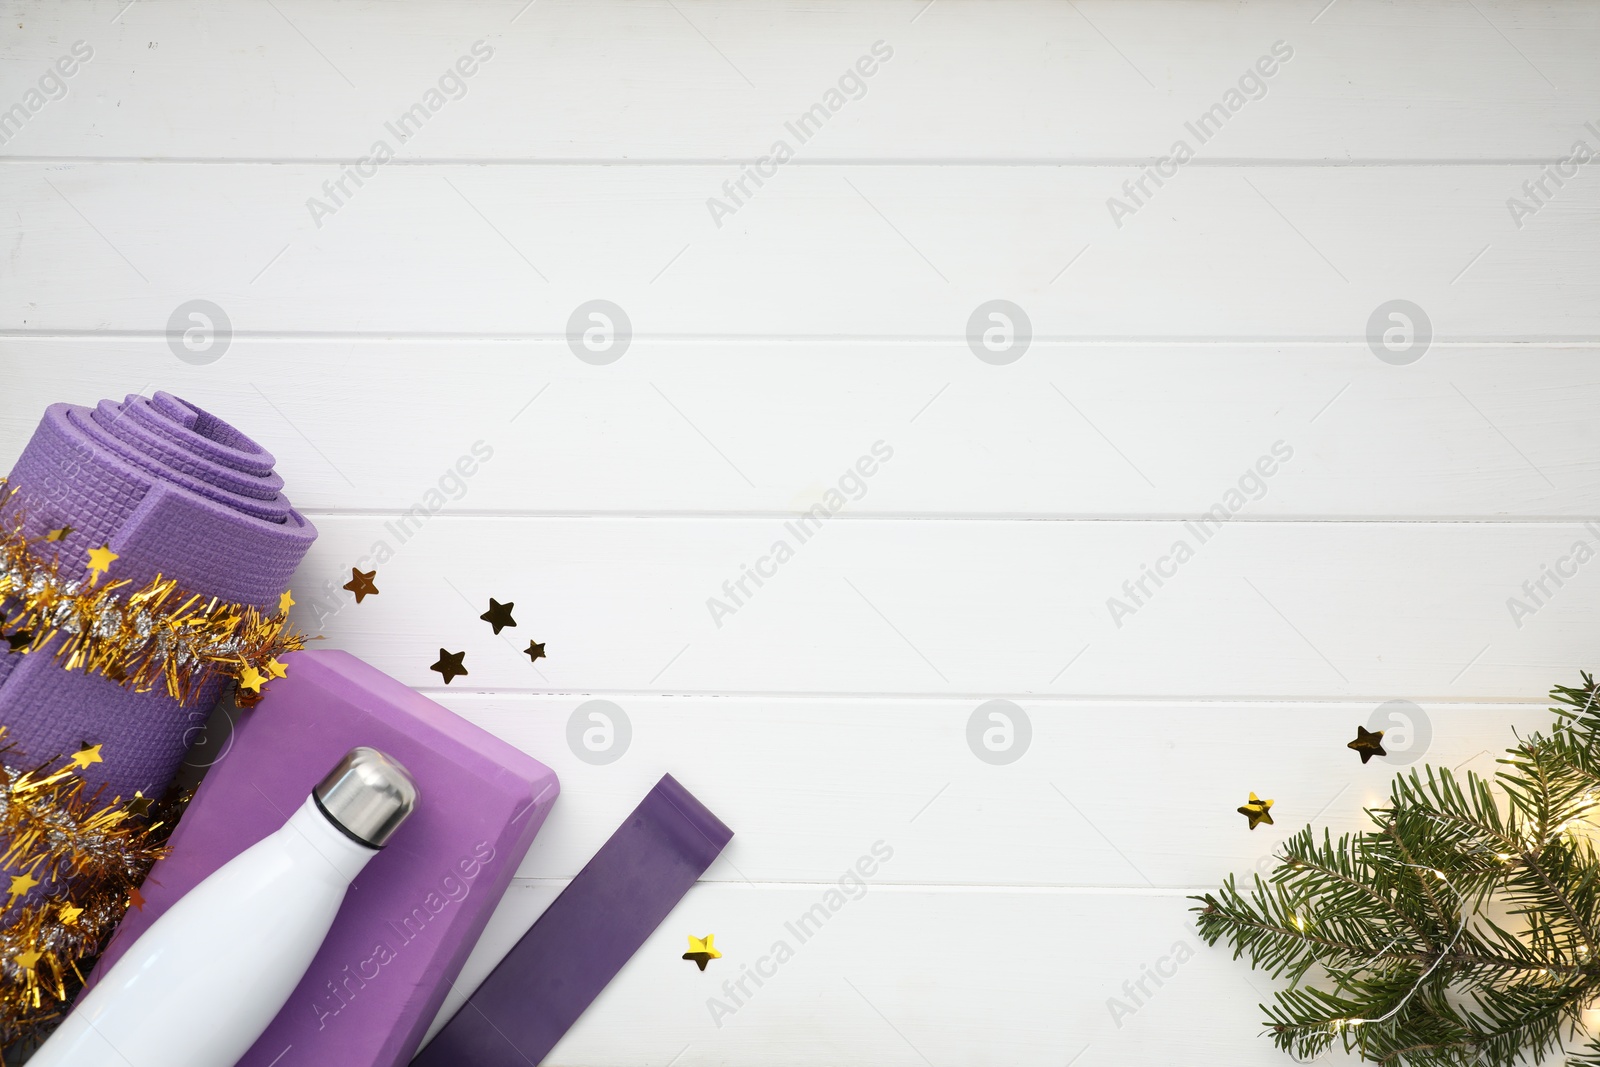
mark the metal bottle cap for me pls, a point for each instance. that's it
(368, 795)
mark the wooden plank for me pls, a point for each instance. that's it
(375, 344)
(1368, 611)
(1267, 253)
(697, 80)
(1093, 431)
(799, 779)
(912, 976)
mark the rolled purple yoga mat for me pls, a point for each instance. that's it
(585, 936)
(175, 491)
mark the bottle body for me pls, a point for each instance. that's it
(211, 973)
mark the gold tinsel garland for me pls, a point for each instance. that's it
(74, 866)
(154, 635)
(70, 865)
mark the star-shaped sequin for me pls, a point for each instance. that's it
(69, 914)
(285, 601)
(100, 561)
(276, 669)
(498, 615)
(61, 533)
(360, 583)
(251, 680)
(1256, 811)
(1367, 743)
(534, 651)
(87, 755)
(20, 884)
(29, 959)
(450, 665)
(135, 899)
(702, 951)
(139, 805)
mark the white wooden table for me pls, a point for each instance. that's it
(376, 333)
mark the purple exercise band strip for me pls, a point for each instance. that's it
(585, 936)
(412, 916)
(172, 490)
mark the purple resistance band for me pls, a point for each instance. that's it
(172, 490)
(583, 939)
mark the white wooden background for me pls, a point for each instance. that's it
(828, 313)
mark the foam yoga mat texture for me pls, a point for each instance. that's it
(585, 936)
(173, 490)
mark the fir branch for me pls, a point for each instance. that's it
(1416, 869)
(1408, 978)
(1552, 891)
(1334, 866)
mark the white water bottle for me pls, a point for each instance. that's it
(210, 974)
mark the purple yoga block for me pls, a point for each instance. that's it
(585, 936)
(412, 916)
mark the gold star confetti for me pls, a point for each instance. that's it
(251, 680)
(285, 602)
(60, 534)
(27, 960)
(450, 665)
(100, 561)
(534, 651)
(702, 951)
(20, 884)
(86, 755)
(135, 898)
(360, 583)
(1256, 811)
(1367, 743)
(69, 915)
(139, 805)
(276, 669)
(498, 615)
